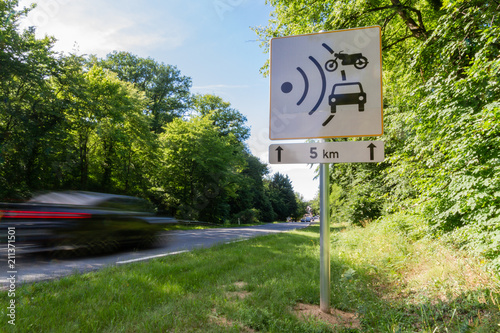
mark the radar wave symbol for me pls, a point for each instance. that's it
(287, 86)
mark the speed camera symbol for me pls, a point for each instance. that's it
(326, 84)
(357, 60)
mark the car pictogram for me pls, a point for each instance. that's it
(347, 94)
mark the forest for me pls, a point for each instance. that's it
(126, 125)
(441, 66)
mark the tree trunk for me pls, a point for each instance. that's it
(417, 29)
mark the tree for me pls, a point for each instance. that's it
(198, 168)
(282, 196)
(357, 192)
(119, 129)
(455, 141)
(119, 125)
(167, 91)
(109, 130)
(224, 117)
(63, 124)
(251, 201)
(302, 205)
(31, 125)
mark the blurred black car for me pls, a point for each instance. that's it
(79, 221)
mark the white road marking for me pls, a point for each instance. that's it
(150, 257)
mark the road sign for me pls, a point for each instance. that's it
(327, 152)
(326, 85)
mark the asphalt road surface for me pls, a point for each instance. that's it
(30, 268)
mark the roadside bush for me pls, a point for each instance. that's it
(363, 205)
(248, 216)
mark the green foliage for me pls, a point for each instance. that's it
(199, 167)
(122, 124)
(302, 206)
(251, 191)
(31, 124)
(441, 103)
(282, 196)
(248, 216)
(107, 129)
(456, 142)
(167, 91)
(224, 117)
(356, 192)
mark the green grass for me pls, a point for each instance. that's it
(392, 283)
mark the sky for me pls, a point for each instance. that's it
(210, 41)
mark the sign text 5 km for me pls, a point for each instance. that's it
(327, 152)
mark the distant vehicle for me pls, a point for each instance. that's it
(79, 221)
(306, 218)
(347, 94)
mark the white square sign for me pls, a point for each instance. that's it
(326, 85)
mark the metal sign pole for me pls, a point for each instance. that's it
(324, 238)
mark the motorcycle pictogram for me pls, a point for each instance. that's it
(356, 59)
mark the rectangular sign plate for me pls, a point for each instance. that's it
(327, 152)
(326, 85)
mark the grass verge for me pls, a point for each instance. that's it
(391, 283)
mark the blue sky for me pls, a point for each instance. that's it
(210, 41)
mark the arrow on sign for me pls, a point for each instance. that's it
(279, 149)
(372, 153)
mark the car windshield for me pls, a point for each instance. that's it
(347, 89)
(93, 199)
(79, 198)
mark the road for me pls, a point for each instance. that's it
(29, 268)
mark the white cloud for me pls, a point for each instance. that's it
(99, 27)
